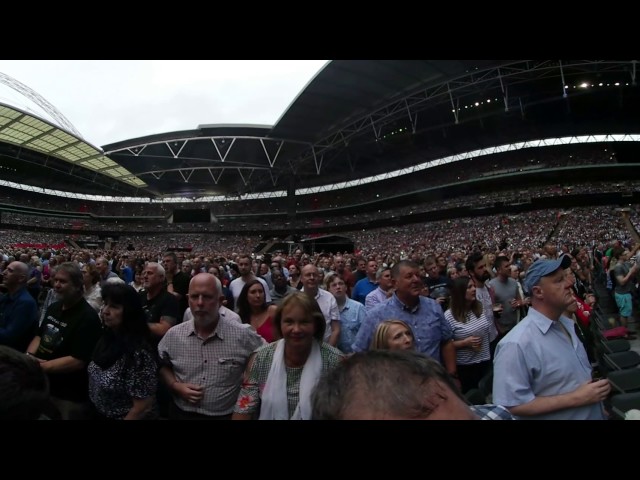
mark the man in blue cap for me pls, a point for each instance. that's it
(541, 369)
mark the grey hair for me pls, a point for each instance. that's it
(159, 268)
(381, 271)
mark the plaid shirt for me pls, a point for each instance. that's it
(216, 362)
(491, 412)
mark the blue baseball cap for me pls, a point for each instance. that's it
(542, 268)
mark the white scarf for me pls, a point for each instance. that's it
(274, 404)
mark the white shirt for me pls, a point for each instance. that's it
(329, 306)
(237, 285)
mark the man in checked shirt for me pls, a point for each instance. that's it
(203, 359)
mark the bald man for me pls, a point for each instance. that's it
(18, 309)
(203, 359)
(327, 303)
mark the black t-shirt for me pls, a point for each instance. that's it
(439, 287)
(162, 305)
(72, 332)
(181, 286)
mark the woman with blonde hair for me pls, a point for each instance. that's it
(393, 335)
(281, 376)
(490, 259)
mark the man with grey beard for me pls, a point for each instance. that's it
(203, 359)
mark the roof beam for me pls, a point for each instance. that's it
(216, 179)
(185, 177)
(271, 162)
(223, 140)
(173, 152)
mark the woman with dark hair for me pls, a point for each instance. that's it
(137, 282)
(471, 333)
(294, 275)
(281, 376)
(123, 373)
(253, 310)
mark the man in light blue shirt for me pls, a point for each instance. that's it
(384, 290)
(351, 312)
(541, 369)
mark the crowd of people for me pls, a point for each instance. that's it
(184, 321)
(216, 332)
(580, 225)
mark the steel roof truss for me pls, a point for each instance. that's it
(352, 162)
(223, 157)
(454, 106)
(274, 179)
(246, 180)
(412, 119)
(518, 72)
(216, 180)
(187, 177)
(271, 162)
(315, 160)
(173, 152)
(135, 151)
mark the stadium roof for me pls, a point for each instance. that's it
(353, 119)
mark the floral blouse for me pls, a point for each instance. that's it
(251, 391)
(111, 390)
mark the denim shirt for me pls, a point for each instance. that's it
(426, 320)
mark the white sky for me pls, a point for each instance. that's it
(112, 100)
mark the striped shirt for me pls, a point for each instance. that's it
(474, 326)
(216, 362)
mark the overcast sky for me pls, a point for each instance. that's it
(112, 100)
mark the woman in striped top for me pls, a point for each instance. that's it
(471, 331)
